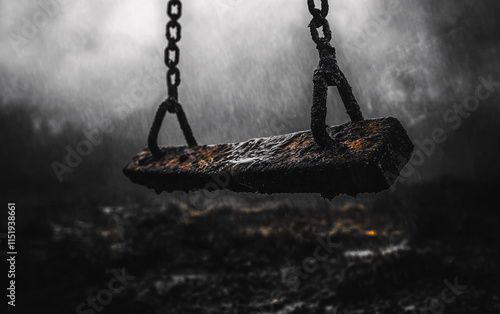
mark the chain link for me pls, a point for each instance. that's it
(319, 20)
(173, 34)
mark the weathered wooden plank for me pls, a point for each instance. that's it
(366, 158)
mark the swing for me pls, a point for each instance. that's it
(362, 156)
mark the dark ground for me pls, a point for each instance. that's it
(236, 256)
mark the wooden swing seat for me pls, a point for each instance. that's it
(365, 158)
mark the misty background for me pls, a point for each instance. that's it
(68, 66)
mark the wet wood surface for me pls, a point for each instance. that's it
(366, 157)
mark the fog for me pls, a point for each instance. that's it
(80, 82)
(236, 57)
(247, 71)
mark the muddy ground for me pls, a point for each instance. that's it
(393, 252)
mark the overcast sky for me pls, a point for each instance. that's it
(84, 57)
(246, 63)
(88, 52)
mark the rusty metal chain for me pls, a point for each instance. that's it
(327, 74)
(171, 104)
(173, 35)
(319, 19)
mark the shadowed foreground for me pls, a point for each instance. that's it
(388, 254)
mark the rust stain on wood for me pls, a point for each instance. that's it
(366, 157)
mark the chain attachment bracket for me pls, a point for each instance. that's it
(327, 74)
